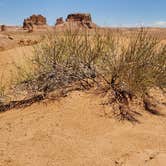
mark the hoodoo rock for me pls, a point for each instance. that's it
(34, 20)
(59, 21)
(3, 28)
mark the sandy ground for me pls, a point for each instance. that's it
(74, 132)
(11, 58)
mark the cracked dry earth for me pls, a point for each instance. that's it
(74, 132)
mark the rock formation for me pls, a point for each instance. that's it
(76, 20)
(81, 18)
(34, 20)
(59, 21)
(3, 28)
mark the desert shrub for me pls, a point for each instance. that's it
(132, 69)
(128, 64)
(61, 59)
(135, 66)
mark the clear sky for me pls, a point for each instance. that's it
(104, 12)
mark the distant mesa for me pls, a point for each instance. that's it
(34, 20)
(79, 17)
(81, 20)
(39, 22)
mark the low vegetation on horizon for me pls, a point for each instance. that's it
(123, 67)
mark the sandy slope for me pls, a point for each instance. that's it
(72, 132)
(9, 58)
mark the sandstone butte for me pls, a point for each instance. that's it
(34, 20)
(77, 19)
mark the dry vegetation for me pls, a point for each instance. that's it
(122, 66)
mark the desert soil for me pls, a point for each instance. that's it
(73, 131)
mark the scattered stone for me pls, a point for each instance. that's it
(27, 42)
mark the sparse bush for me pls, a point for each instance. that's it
(60, 60)
(129, 65)
(132, 69)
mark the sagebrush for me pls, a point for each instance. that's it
(129, 65)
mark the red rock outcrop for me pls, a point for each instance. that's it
(59, 21)
(34, 20)
(76, 20)
(83, 19)
(3, 28)
(79, 17)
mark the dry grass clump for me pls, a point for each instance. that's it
(127, 66)
(60, 60)
(3, 90)
(2, 87)
(131, 70)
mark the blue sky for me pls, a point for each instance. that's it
(104, 12)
